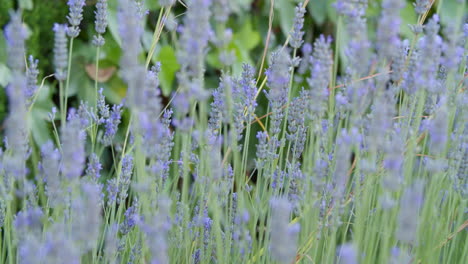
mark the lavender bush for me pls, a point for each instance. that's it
(350, 146)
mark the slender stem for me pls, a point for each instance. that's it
(65, 97)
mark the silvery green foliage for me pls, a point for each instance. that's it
(60, 51)
(283, 237)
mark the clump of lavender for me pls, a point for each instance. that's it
(100, 23)
(297, 33)
(283, 237)
(74, 17)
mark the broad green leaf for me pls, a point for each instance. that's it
(318, 10)
(115, 90)
(113, 26)
(450, 12)
(247, 38)
(286, 15)
(169, 67)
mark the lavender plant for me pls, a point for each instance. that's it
(349, 148)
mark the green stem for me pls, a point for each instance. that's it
(65, 96)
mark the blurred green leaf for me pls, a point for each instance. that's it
(448, 12)
(408, 17)
(169, 67)
(247, 38)
(286, 15)
(113, 27)
(318, 10)
(26, 4)
(115, 90)
(39, 116)
(4, 75)
(152, 5)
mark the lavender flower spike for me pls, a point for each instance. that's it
(75, 17)
(15, 35)
(388, 29)
(283, 240)
(297, 33)
(60, 51)
(16, 134)
(101, 22)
